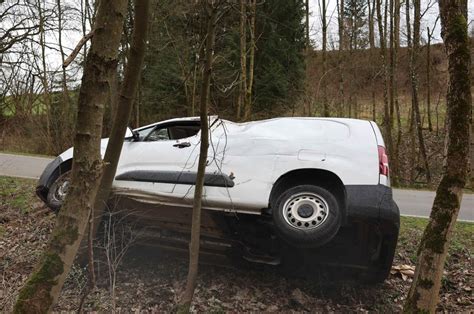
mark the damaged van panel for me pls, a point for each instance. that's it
(273, 189)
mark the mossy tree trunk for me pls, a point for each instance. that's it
(42, 290)
(424, 292)
(125, 105)
(210, 9)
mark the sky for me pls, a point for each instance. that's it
(428, 20)
(73, 33)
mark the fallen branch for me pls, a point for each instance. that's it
(76, 50)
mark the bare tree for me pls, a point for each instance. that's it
(424, 292)
(42, 289)
(414, 52)
(125, 105)
(210, 10)
(17, 25)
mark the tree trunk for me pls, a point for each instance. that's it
(414, 85)
(307, 105)
(44, 78)
(386, 117)
(128, 92)
(211, 18)
(248, 102)
(65, 110)
(326, 111)
(428, 80)
(42, 289)
(243, 59)
(340, 61)
(370, 20)
(424, 292)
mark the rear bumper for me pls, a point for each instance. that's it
(47, 178)
(374, 202)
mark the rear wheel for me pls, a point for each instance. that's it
(307, 216)
(58, 190)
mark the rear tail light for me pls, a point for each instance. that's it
(383, 161)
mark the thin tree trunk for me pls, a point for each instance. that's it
(395, 34)
(428, 80)
(340, 21)
(243, 59)
(307, 105)
(326, 111)
(424, 292)
(121, 119)
(64, 109)
(248, 102)
(386, 117)
(391, 68)
(414, 84)
(370, 20)
(211, 18)
(44, 78)
(42, 290)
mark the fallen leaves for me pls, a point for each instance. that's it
(404, 271)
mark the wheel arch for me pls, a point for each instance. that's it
(323, 178)
(63, 167)
(50, 174)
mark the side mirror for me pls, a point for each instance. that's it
(130, 134)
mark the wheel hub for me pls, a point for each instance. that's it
(305, 211)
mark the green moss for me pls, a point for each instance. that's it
(32, 294)
(66, 233)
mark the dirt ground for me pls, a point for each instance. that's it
(148, 280)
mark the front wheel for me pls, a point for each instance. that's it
(58, 190)
(307, 216)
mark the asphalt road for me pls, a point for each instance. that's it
(411, 202)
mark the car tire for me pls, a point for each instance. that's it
(58, 190)
(307, 216)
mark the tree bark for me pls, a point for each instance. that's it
(128, 92)
(42, 289)
(424, 292)
(211, 19)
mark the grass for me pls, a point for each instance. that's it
(411, 229)
(17, 194)
(26, 232)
